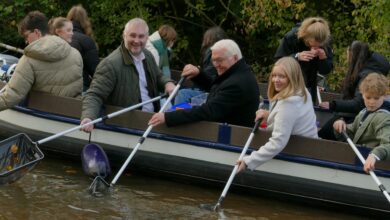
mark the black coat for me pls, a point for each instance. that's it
(208, 70)
(233, 98)
(376, 63)
(88, 50)
(290, 45)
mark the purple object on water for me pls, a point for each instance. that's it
(95, 161)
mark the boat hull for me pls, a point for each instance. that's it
(185, 158)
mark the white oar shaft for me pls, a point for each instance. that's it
(234, 171)
(98, 120)
(8, 47)
(146, 133)
(319, 95)
(142, 139)
(243, 152)
(233, 174)
(373, 175)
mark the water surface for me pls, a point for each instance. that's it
(57, 189)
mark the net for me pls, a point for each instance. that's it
(18, 155)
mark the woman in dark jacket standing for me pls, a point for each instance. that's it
(361, 62)
(309, 43)
(83, 41)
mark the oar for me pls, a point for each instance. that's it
(19, 171)
(101, 119)
(233, 174)
(15, 49)
(373, 175)
(95, 186)
(319, 95)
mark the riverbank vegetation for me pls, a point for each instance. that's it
(257, 25)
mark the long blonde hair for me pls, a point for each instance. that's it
(314, 28)
(296, 85)
(56, 23)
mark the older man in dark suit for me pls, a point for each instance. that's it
(234, 94)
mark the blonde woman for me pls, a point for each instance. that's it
(61, 27)
(291, 112)
(309, 43)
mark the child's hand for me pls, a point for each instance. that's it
(339, 125)
(370, 163)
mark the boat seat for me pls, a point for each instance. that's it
(60, 105)
(299, 146)
(207, 131)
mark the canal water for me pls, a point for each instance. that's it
(57, 189)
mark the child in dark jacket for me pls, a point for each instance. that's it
(371, 126)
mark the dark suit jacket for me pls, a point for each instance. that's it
(233, 98)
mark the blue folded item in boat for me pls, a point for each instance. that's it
(180, 106)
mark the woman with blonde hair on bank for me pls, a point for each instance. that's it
(291, 112)
(309, 43)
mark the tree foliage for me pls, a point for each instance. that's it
(257, 25)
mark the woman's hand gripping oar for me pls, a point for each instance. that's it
(373, 175)
(96, 188)
(217, 206)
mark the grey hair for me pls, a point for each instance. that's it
(136, 21)
(231, 48)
